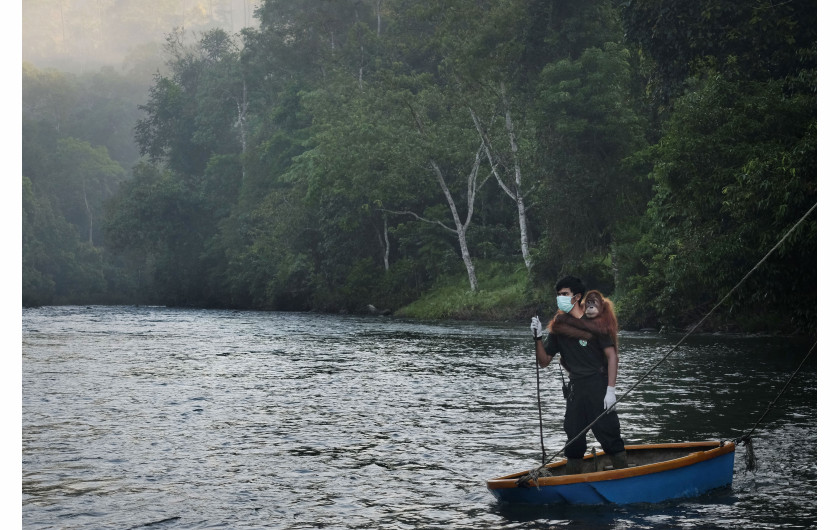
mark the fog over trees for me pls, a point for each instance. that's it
(79, 35)
(340, 154)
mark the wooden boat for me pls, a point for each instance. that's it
(654, 473)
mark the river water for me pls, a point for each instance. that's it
(168, 418)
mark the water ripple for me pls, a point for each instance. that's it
(155, 417)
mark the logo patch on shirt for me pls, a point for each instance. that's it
(582, 343)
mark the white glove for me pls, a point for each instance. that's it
(536, 327)
(609, 398)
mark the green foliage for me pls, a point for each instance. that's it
(734, 171)
(257, 261)
(161, 225)
(746, 40)
(657, 150)
(57, 267)
(504, 296)
(99, 108)
(68, 177)
(88, 178)
(588, 116)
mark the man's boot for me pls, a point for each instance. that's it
(574, 466)
(619, 460)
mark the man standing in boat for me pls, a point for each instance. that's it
(593, 370)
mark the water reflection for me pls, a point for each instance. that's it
(189, 419)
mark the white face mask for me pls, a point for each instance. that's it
(564, 303)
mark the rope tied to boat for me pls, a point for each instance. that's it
(536, 472)
(746, 439)
(749, 455)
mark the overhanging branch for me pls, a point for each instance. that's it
(419, 218)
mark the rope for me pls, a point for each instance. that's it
(746, 439)
(534, 473)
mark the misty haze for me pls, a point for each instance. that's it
(78, 35)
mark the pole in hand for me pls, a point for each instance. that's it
(539, 403)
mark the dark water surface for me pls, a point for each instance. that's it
(165, 418)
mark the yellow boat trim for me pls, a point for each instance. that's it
(708, 451)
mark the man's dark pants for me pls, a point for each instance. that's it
(586, 403)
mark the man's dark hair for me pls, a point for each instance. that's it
(572, 283)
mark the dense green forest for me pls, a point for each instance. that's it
(440, 159)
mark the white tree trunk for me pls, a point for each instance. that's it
(89, 213)
(361, 66)
(520, 200)
(514, 191)
(386, 242)
(523, 231)
(461, 228)
(241, 121)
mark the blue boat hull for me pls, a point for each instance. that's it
(704, 467)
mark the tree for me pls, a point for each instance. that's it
(48, 96)
(85, 178)
(57, 267)
(365, 125)
(752, 41)
(588, 127)
(483, 56)
(162, 226)
(287, 166)
(734, 171)
(68, 178)
(97, 107)
(201, 110)
(735, 166)
(444, 133)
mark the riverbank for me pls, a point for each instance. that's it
(506, 295)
